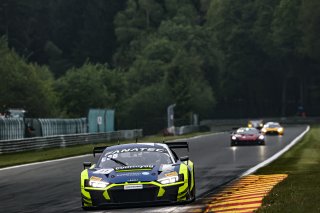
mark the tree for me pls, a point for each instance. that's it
(24, 85)
(90, 86)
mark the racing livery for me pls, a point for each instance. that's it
(272, 128)
(258, 124)
(247, 136)
(138, 174)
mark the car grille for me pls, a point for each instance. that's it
(119, 195)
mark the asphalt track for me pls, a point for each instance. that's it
(54, 186)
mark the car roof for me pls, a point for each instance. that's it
(276, 123)
(138, 145)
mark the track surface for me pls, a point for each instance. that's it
(55, 186)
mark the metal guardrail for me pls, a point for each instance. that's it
(27, 144)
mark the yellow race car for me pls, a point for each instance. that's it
(138, 174)
(272, 128)
(258, 124)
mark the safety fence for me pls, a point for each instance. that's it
(11, 128)
(16, 128)
(50, 127)
(27, 144)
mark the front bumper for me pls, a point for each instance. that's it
(151, 193)
(247, 142)
(273, 132)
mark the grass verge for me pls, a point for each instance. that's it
(300, 191)
(56, 153)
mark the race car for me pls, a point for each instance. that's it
(248, 136)
(272, 128)
(138, 174)
(258, 124)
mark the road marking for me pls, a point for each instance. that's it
(240, 195)
(277, 155)
(252, 191)
(86, 155)
(44, 162)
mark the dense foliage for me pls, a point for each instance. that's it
(216, 58)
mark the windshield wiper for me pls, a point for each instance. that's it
(118, 162)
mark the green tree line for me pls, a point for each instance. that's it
(216, 58)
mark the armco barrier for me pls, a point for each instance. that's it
(27, 144)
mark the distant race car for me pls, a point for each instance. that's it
(272, 128)
(258, 124)
(138, 174)
(247, 136)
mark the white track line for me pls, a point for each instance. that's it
(81, 156)
(275, 156)
(44, 162)
(264, 163)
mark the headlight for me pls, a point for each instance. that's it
(234, 138)
(261, 137)
(263, 130)
(171, 177)
(261, 125)
(250, 125)
(98, 184)
(168, 180)
(280, 129)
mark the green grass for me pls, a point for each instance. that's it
(300, 192)
(56, 153)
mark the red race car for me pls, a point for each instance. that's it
(247, 136)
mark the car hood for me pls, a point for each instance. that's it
(247, 137)
(143, 173)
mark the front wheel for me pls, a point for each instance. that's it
(192, 194)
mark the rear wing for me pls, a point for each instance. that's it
(178, 145)
(98, 149)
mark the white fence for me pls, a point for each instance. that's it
(27, 144)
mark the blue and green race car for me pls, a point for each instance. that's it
(138, 174)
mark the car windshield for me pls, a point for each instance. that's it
(273, 125)
(110, 160)
(248, 131)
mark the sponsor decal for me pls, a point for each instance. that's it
(135, 150)
(114, 156)
(130, 187)
(103, 171)
(134, 167)
(129, 174)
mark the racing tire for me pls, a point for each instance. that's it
(192, 194)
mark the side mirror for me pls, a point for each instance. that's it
(86, 164)
(184, 158)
